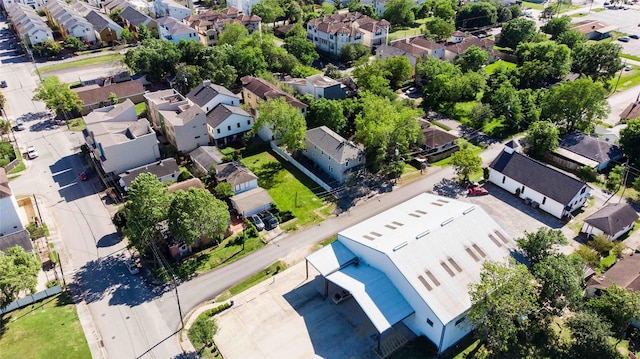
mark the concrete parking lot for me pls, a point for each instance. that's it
(287, 317)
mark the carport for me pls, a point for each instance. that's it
(379, 299)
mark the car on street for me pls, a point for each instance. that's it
(256, 221)
(83, 176)
(131, 266)
(3, 83)
(623, 39)
(477, 191)
(31, 152)
(634, 36)
(270, 222)
(20, 125)
(628, 68)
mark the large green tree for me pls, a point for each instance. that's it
(472, 59)
(542, 137)
(399, 12)
(465, 162)
(476, 15)
(397, 70)
(58, 97)
(630, 141)
(600, 60)
(147, 205)
(575, 105)
(197, 214)
(233, 33)
(372, 77)
(268, 10)
(202, 330)
(18, 273)
(155, 57)
(540, 63)
(328, 113)
(590, 336)
(556, 26)
(438, 29)
(536, 246)
(517, 31)
(285, 122)
(618, 306)
(302, 49)
(501, 303)
(561, 281)
(353, 51)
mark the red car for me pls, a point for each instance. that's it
(83, 176)
(477, 191)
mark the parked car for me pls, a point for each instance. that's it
(131, 266)
(20, 125)
(270, 222)
(31, 152)
(477, 191)
(411, 90)
(634, 36)
(256, 221)
(3, 83)
(628, 68)
(624, 39)
(341, 296)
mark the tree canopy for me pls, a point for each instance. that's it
(268, 10)
(600, 60)
(617, 306)
(540, 245)
(197, 214)
(285, 122)
(556, 26)
(630, 141)
(472, 59)
(399, 12)
(561, 281)
(540, 63)
(233, 33)
(302, 49)
(476, 15)
(542, 137)
(328, 113)
(465, 162)
(517, 31)
(58, 97)
(590, 336)
(18, 273)
(438, 29)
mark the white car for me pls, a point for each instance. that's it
(20, 125)
(131, 266)
(628, 68)
(31, 152)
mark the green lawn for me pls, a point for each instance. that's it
(630, 57)
(628, 79)
(491, 68)
(141, 108)
(532, 5)
(48, 329)
(401, 34)
(82, 62)
(258, 277)
(290, 189)
(446, 161)
(77, 124)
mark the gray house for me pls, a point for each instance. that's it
(332, 153)
(578, 149)
(612, 220)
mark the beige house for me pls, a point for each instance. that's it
(331, 33)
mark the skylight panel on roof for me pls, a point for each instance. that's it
(397, 224)
(446, 268)
(420, 211)
(366, 236)
(454, 265)
(390, 226)
(502, 237)
(443, 200)
(425, 283)
(477, 248)
(495, 241)
(376, 234)
(432, 277)
(414, 215)
(437, 204)
(473, 255)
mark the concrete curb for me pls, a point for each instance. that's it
(184, 342)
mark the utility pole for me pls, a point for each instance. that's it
(619, 76)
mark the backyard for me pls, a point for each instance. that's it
(48, 329)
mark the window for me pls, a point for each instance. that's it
(459, 321)
(544, 199)
(249, 122)
(238, 124)
(228, 128)
(429, 322)
(197, 137)
(331, 37)
(522, 190)
(503, 178)
(583, 189)
(218, 131)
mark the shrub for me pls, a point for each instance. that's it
(219, 309)
(202, 330)
(601, 244)
(184, 174)
(589, 255)
(53, 283)
(587, 173)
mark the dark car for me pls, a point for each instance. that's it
(270, 222)
(3, 83)
(634, 36)
(477, 191)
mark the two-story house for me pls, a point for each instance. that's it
(209, 95)
(166, 170)
(171, 29)
(108, 31)
(332, 153)
(12, 231)
(330, 33)
(133, 19)
(96, 96)
(240, 177)
(118, 140)
(227, 124)
(319, 86)
(70, 22)
(182, 122)
(28, 24)
(211, 23)
(164, 8)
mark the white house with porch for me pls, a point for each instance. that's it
(413, 263)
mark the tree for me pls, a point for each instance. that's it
(74, 44)
(248, 60)
(3, 100)
(113, 98)
(58, 96)
(480, 114)
(387, 129)
(472, 59)
(143, 32)
(154, 57)
(476, 15)
(328, 113)
(556, 26)
(571, 38)
(371, 77)
(465, 162)
(126, 35)
(47, 48)
(540, 245)
(116, 16)
(223, 190)
(285, 122)
(18, 273)
(197, 214)
(187, 77)
(353, 51)
(501, 302)
(268, 10)
(233, 33)
(438, 29)
(575, 105)
(590, 336)
(542, 137)
(147, 205)
(444, 9)
(614, 179)
(540, 63)
(332, 71)
(202, 330)
(302, 49)
(297, 30)
(617, 306)
(517, 31)
(397, 70)
(630, 141)
(399, 12)
(561, 281)
(600, 60)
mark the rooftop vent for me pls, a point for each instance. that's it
(420, 235)
(400, 246)
(447, 221)
(469, 210)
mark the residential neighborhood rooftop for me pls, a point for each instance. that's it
(334, 145)
(613, 217)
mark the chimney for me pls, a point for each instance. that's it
(206, 83)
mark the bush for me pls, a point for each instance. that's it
(53, 283)
(185, 174)
(601, 244)
(589, 255)
(219, 309)
(587, 173)
(36, 231)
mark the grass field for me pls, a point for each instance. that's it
(141, 108)
(48, 329)
(630, 57)
(532, 5)
(628, 80)
(401, 34)
(82, 62)
(491, 68)
(290, 189)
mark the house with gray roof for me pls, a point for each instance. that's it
(171, 29)
(332, 153)
(319, 86)
(205, 158)
(239, 176)
(28, 24)
(108, 31)
(552, 191)
(613, 220)
(226, 124)
(20, 238)
(624, 273)
(209, 95)
(577, 149)
(166, 170)
(133, 19)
